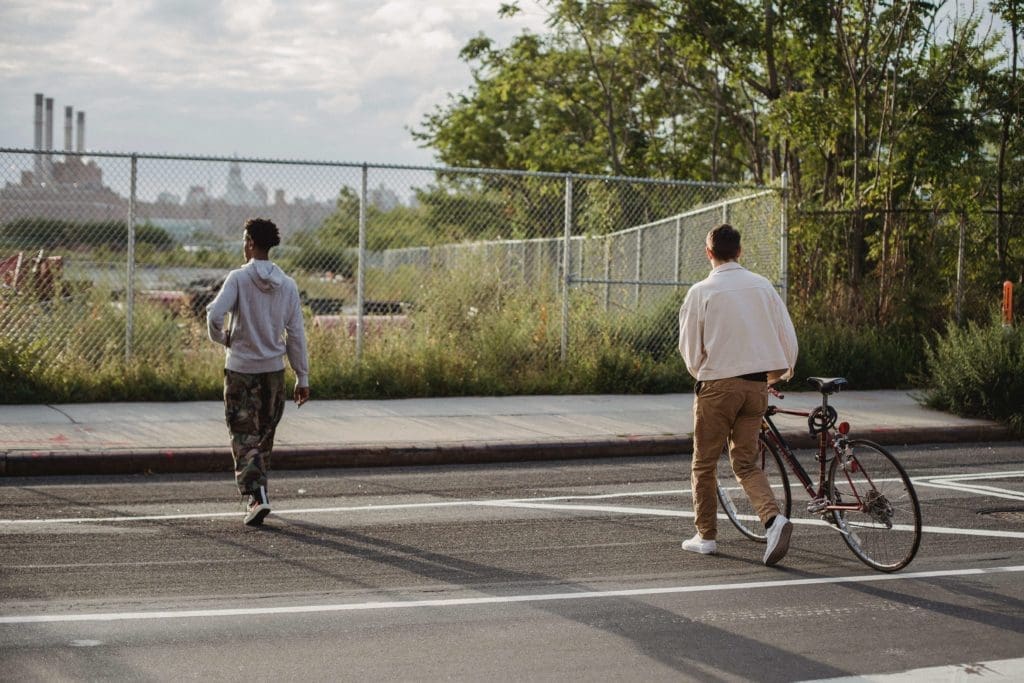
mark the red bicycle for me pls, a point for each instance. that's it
(862, 490)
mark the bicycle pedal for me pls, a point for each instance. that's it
(817, 506)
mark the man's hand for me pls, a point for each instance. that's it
(301, 395)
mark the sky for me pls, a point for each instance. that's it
(321, 80)
(340, 80)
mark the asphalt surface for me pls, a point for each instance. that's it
(561, 570)
(126, 438)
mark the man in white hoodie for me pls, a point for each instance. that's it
(264, 324)
(736, 337)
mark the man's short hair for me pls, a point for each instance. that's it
(263, 233)
(724, 242)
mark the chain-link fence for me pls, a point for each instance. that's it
(116, 256)
(919, 266)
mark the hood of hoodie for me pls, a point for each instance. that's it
(265, 274)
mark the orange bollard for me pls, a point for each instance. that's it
(1007, 304)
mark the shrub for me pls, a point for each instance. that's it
(18, 372)
(869, 357)
(978, 371)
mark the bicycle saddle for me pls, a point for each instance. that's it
(827, 385)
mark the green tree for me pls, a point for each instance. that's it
(1007, 90)
(877, 111)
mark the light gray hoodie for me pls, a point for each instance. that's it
(265, 322)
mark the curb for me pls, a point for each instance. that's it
(906, 436)
(326, 456)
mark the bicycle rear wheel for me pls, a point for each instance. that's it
(734, 500)
(884, 531)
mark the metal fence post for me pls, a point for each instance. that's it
(581, 265)
(784, 241)
(607, 272)
(361, 267)
(638, 271)
(961, 258)
(679, 247)
(129, 296)
(566, 268)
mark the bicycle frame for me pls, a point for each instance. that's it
(827, 439)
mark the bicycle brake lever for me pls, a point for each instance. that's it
(775, 392)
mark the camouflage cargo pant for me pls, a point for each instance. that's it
(253, 405)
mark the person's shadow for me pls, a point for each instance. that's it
(667, 637)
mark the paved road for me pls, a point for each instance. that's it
(543, 571)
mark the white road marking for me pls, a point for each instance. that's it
(956, 482)
(498, 599)
(1008, 474)
(353, 508)
(979, 490)
(1004, 669)
(541, 503)
(657, 512)
(616, 509)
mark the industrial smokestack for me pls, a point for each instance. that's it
(48, 130)
(48, 140)
(81, 131)
(38, 142)
(68, 124)
(39, 121)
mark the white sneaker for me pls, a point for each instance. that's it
(699, 545)
(778, 540)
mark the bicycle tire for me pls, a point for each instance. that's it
(734, 500)
(885, 533)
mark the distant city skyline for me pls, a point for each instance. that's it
(340, 81)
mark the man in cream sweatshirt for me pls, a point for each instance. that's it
(736, 337)
(264, 325)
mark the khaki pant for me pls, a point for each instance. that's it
(728, 410)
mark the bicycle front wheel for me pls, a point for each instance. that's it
(877, 509)
(734, 500)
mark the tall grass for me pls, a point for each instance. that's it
(469, 332)
(74, 350)
(477, 334)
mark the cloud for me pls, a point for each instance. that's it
(341, 102)
(409, 13)
(247, 16)
(207, 72)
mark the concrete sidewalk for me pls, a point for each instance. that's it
(120, 438)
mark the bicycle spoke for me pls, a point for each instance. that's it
(884, 530)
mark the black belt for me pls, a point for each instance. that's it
(755, 377)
